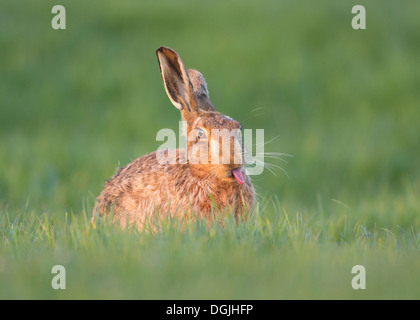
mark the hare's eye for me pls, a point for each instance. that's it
(200, 134)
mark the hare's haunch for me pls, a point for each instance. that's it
(213, 185)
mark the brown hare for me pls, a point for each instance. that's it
(179, 186)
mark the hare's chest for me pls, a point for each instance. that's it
(231, 197)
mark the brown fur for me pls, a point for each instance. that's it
(146, 187)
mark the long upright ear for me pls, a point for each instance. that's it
(200, 90)
(176, 80)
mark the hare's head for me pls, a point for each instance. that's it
(214, 144)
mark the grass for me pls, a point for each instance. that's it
(292, 257)
(75, 103)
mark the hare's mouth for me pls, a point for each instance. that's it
(237, 174)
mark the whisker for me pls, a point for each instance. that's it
(260, 163)
(277, 154)
(277, 167)
(265, 156)
(266, 142)
(274, 155)
(270, 167)
(271, 140)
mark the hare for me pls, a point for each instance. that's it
(179, 186)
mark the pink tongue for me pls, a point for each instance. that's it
(238, 175)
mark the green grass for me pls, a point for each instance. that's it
(76, 103)
(293, 257)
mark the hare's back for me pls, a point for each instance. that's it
(135, 185)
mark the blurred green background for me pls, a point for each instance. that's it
(345, 103)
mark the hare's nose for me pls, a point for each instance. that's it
(231, 153)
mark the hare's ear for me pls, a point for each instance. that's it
(200, 90)
(176, 81)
